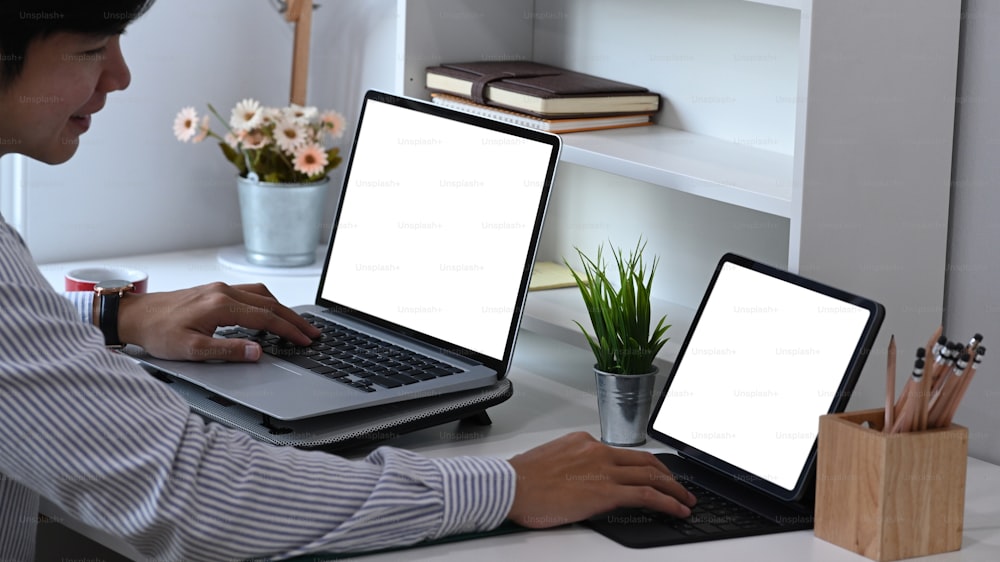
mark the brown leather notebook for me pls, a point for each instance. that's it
(540, 89)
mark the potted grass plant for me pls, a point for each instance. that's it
(624, 340)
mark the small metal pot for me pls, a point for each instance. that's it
(623, 403)
(281, 221)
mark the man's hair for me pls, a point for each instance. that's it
(24, 21)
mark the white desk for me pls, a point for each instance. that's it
(553, 394)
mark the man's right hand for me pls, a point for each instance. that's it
(576, 476)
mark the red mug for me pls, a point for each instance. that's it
(84, 278)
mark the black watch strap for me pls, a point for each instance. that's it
(109, 318)
(110, 294)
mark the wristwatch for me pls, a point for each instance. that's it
(110, 294)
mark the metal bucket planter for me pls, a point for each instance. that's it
(623, 403)
(281, 221)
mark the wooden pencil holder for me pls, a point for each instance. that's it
(889, 496)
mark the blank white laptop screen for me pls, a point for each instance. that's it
(762, 365)
(444, 230)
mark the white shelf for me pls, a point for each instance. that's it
(791, 4)
(552, 313)
(733, 173)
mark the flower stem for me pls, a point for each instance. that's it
(219, 117)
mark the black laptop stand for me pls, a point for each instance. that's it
(346, 430)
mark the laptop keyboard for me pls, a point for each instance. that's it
(349, 357)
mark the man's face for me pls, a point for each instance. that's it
(66, 79)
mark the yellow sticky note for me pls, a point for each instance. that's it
(550, 275)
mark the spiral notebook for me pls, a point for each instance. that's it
(562, 125)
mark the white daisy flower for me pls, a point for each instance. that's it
(289, 134)
(186, 124)
(270, 115)
(247, 115)
(301, 114)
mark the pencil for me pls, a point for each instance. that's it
(951, 381)
(945, 357)
(923, 393)
(927, 382)
(917, 397)
(890, 385)
(905, 421)
(945, 394)
(977, 338)
(947, 403)
(921, 352)
(959, 393)
(942, 395)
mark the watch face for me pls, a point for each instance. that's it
(113, 286)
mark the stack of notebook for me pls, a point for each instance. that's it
(541, 96)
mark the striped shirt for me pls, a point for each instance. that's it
(91, 432)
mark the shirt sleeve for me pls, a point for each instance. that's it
(92, 432)
(83, 303)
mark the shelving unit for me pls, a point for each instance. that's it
(810, 134)
(722, 171)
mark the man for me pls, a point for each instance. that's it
(90, 431)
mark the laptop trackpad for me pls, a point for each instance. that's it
(248, 381)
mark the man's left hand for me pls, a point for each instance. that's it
(180, 324)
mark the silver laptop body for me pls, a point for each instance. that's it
(431, 250)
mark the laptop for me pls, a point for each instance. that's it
(767, 354)
(426, 272)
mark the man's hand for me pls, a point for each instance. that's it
(179, 324)
(576, 476)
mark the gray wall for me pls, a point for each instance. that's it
(972, 303)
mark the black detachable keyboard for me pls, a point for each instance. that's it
(712, 515)
(348, 356)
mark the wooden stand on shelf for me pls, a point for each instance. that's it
(300, 13)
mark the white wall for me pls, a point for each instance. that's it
(132, 188)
